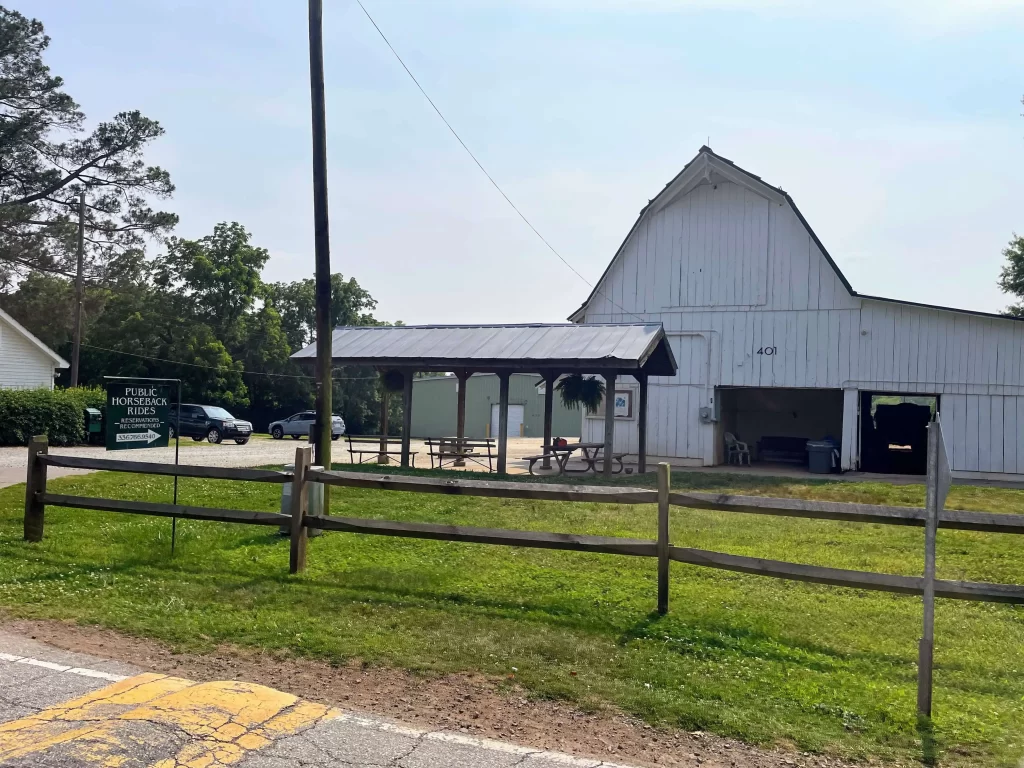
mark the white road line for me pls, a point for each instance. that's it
(97, 674)
(561, 758)
(80, 671)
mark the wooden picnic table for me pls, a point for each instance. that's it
(452, 450)
(355, 445)
(562, 453)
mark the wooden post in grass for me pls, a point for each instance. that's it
(300, 505)
(926, 646)
(663, 542)
(35, 485)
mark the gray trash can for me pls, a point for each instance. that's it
(316, 502)
(822, 456)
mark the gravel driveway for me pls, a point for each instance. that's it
(257, 452)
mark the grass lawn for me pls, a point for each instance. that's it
(767, 661)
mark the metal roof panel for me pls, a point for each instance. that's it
(625, 346)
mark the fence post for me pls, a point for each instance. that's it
(35, 484)
(926, 646)
(663, 543)
(300, 504)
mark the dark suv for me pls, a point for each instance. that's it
(210, 422)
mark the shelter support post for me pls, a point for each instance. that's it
(549, 409)
(406, 417)
(385, 404)
(503, 377)
(609, 422)
(641, 424)
(460, 427)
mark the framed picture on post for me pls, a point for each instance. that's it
(625, 399)
(623, 403)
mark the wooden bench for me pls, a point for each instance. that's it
(451, 450)
(560, 455)
(617, 457)
(363, 445)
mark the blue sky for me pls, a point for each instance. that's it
(895, 126)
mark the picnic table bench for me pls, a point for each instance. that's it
(562, 453)
(451, 450)
(361, 445)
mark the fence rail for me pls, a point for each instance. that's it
(612, 545)
(990, 522)
(840, 577)
(172, 470)
(486, 488)
(157, 509)
(933, 516)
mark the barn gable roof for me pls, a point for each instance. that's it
(58, 361)
(706, 165)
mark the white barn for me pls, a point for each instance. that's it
(25, 362)
(772, 341)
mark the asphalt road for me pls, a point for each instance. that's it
(67, 710)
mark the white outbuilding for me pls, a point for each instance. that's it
(25, 362)
(775, 347)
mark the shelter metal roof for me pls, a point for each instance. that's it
(566, 347)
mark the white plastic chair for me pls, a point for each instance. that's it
(736, 450)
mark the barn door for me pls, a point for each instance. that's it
(516, 414)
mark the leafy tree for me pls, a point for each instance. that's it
(202, 313)
(351, 304)
(1011, 277)
(215, 279)
(275, 382)
(44, 304)
(47, 158)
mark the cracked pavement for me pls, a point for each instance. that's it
(67, 710)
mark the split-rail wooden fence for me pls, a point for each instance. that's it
(932, 517)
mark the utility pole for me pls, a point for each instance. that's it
(76, 349)
(322, 241)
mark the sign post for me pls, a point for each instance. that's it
(138, 415)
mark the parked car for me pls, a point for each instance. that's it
(298, 426)
(209, 422)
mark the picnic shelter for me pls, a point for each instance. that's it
(608, 350)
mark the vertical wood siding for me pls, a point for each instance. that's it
(22, 364)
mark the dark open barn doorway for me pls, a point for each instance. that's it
(776, 423)
(894, 432)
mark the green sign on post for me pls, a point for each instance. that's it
(138, 415)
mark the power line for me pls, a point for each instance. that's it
(468, 150)
(484, 170)
(223, 367)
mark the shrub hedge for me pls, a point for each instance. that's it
(55, 413)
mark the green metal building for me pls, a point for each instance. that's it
(435, 398)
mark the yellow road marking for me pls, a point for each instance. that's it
(145, 719)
